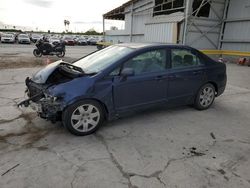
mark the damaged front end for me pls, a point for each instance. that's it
(47, 107)
(39, 98)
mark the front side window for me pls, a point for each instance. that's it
(184, 58)
(115, 72)
(152, 61)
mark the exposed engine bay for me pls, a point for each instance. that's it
(47, 106)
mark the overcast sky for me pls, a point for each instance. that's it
(50, 14)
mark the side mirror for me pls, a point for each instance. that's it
(127, 72)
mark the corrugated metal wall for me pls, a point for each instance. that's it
(139, 23)
(208, 40)
(204, 33)
(117, 38)
(161, 32)
(237, 28)
(140, 16)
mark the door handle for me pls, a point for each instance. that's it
(172, 77)
(159, 77)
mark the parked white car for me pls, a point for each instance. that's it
(8, 38)
(23, 39)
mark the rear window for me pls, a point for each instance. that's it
(184, 58)
(23, 36)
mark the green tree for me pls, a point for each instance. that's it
(91, 32)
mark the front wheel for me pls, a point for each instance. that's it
(205, 97)
(61, 54)
(37, 53)
(83, 117)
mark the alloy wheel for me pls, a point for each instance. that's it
(85, 118)
(206, 96)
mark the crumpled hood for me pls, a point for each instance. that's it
(42, 75)
(72, 89)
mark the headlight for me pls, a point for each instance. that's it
(49, 97)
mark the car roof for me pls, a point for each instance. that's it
(147, 45)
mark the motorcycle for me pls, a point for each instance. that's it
(45, 48)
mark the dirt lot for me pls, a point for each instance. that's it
(178, 147)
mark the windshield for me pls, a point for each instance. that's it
(100, 60)
(23, 36)
(7, 35)
(36, 36)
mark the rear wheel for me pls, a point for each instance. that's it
(62, 54)
(37, 53)
(205, 97)
(83, 117)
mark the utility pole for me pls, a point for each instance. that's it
(131, 22)
(186, 22)
(103, 28)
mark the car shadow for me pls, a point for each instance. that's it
(142, 114)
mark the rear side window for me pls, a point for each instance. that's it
(151, 61)
(184, 58)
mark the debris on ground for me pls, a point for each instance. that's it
(212, 135)
(196, 153)
(221, 171)
(193, 152)
(10, 169)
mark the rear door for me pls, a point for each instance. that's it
(187, 74)
(147, 86)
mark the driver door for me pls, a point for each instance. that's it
(148, 84)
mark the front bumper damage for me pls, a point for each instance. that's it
(46, 106)
(49, 109)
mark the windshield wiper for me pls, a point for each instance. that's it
(90, 73)
(71, 66)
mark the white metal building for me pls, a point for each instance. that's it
(203, 24)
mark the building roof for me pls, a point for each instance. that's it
(118, 13)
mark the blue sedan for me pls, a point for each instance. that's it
(109, 83)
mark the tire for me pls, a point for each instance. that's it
(83, 117)
(62, 54)
(205, 97)
(37, 53)
(99, 47)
